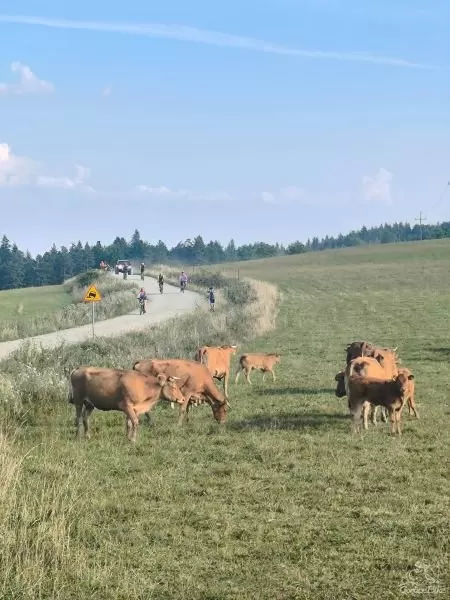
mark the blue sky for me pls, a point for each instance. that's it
(268, 120)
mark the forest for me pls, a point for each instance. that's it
(19, 269)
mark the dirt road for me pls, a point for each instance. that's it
(160, 308)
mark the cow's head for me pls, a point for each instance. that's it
(340, 388)
(169, 388)
(387, 358)
(402, 381)
(220, 410)
(231, 349)
(275, 357)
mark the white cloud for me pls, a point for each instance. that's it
(21, 170)
(284, 195)
(107, 91)
(28, 83)
(14, 170)
(165, 193)
(378, 188)
(162, 190)
(211, 38)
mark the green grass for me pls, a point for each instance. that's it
(25, 303)
(282, 502)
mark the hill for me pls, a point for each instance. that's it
(282, 502)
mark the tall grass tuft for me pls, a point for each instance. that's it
(37, 557)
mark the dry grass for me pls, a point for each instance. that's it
(118, 298)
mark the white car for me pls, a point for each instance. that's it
(121, 265)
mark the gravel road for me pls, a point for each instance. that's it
(160, 307)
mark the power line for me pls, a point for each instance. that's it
(420, 219)
(441, 196)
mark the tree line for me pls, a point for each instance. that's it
(20, 269)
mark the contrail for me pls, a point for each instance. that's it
(212, 38)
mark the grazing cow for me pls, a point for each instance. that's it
(217, 359)
(410, 391)
(364, 391)
(261, 362)
(118, 389)
(195, 382)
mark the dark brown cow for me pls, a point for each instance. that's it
(261, 362)
(116, 389)
(357, 349)
(364, 391)
(195, 381)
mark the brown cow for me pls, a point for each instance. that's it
(261, 362)
(217, 359)
(366, 368)
(195, 382)
(340, 387)
(365, 391)
(118, 389)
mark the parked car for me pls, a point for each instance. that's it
(122, 265)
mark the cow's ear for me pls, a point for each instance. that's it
(162, 379)
(411, 376)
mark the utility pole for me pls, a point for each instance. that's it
(420, 219)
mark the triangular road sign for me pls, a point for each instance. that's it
(92, 295)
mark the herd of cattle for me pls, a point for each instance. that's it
(182, 382)
(372, 378)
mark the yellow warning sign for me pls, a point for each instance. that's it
(92, 295)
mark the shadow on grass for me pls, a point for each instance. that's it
(443, 351)
(315, 420)
(296, 391)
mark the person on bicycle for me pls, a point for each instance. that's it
(183, 280)
(161, 280)
(211, 298)
(142, 269)
(142, 297)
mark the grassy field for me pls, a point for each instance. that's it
(26, 303)
(280, 503)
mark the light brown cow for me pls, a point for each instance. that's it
(117, 389)
(218, 360)
(365, 391)
(261, 362)
(195, 382)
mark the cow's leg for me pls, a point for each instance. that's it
(356, 414)
(374, 414)
(172, 405)
(398, 417)
(132, 422)
(384, 414)
(184, 410)
(392, 419)
(273, 375)
(225, 383)
(78, 419)
(412, 406)
(238, 372)
(264, 375)
(247, 372)
(87, 411)
(365, 412)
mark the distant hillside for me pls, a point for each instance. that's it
(20, 269)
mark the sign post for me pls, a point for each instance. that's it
(92, 296)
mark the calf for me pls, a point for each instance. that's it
(410, 391)
(261, 362)
(116, 389)
(390, 394)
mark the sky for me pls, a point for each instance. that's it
(258, 120)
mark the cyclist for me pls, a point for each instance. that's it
(161, 282)
(142, 297)
(211, 298)
(183, 281)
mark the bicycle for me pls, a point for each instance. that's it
(182, 286)
(142, 310)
